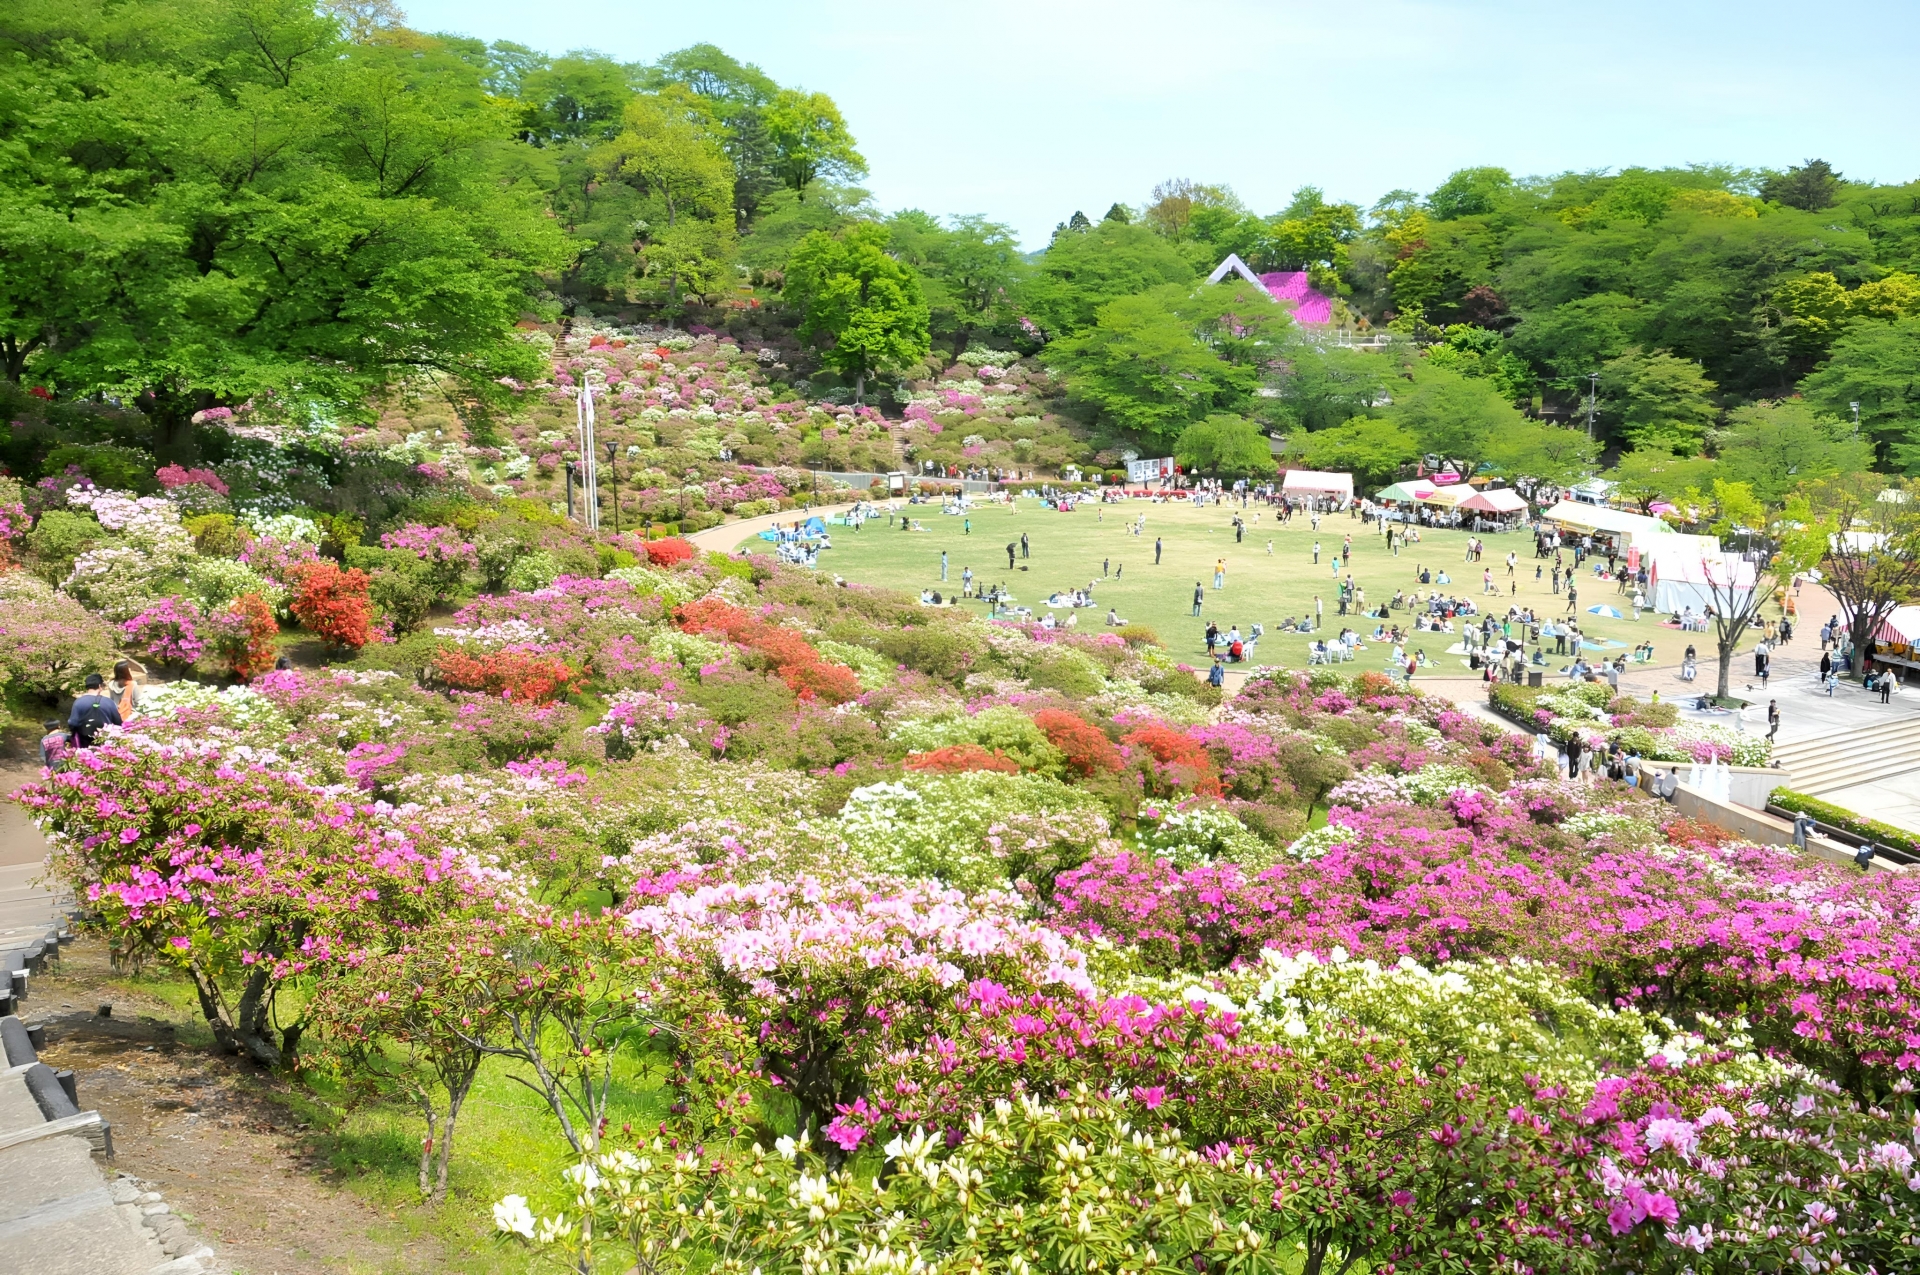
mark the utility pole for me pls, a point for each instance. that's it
(1593, 400)
(589, 460)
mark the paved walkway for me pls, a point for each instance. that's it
(60, 1213)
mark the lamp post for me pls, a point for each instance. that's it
(613, 483)
(1856, 418)
(1593, 400)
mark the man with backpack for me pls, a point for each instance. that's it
(92, 712)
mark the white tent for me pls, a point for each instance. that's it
(1901, 625)
(1682, 576)
(1314, 482)
(1630, 528)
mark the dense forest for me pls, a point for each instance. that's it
(211, 202)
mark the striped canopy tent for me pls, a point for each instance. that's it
(1499, 501)
(1901, 625)
(1411, 489)
(1448, 497)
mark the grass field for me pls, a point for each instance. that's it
(1068, 550)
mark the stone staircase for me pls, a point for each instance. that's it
(1823, 763)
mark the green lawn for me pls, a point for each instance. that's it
(1068, 551)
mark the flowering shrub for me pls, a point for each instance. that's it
(940, 825)
(242, 634)
(172, 477)
(511, 674)
(956, 759)
(1087, 751)
(1177, 762)
(795, 660)
(635, 720)
(669, 552)
(334, 605)
(167, 631)
(48, 641)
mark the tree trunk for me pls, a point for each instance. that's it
(1726, 667)
(426, 1145)
(860, 388)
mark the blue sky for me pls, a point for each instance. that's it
(1028, 109)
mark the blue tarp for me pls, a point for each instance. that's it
(815, 526)
(770, 535)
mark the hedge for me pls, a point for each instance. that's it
(1845, 820)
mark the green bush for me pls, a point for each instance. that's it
(409, 657)
(404, 592)
(60, 537)
(109, 465)
(938, 651)
(1845, 820)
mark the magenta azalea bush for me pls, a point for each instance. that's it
(168, 630)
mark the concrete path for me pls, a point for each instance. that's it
(60, 1213)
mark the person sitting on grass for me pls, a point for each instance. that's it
(1114, 620)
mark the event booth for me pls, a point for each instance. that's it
(1318, 484)
(1682, 575)
(1625, 529)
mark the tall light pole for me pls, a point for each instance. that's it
(613, 483)
(589, 461)
(1593, 400)
(1856, 418)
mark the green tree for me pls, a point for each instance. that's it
(1080, 272)
(1773, 448)
(1537, 449)
(1872, 532)
(1371, 449)
(1144, 370)
(737, 94)
(1320, 386)
(260, 210)
(669, 152)
(858, 306)
(1877, 365)
(1470, 192)
(810, 140)
(1657, 402)
(968, 270)
(1453, 416)
(1224, 446)
(1811, 187)
(1652, 475)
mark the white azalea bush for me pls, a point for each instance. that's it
(241, 707)
(1203, 834)
(1021, 1185)
(938, 826)
(1503, 1019)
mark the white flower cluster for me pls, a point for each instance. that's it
(283, 527)
(932, 825)
(244, 709)
(1204, 834)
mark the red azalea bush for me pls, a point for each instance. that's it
(1087, 750)
(958, 758)
(799, 665)
(669, 552)
(242, 633)
(1179, 762)
(516, 675)
(333, 604)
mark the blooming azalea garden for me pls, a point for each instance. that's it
(833, 931)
